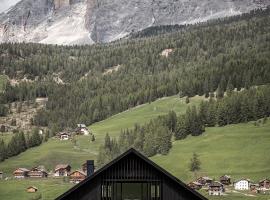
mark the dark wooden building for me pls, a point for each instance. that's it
(225, 180)
(131, 176)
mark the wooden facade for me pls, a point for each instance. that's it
(195, 185)
(205, 180)
(77, 176)
(38, 172)
(225, 180)
(216, 189)
(131, 176)
(21, 173)
(265, 184)
(62, 170)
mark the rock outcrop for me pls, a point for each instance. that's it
(89, 21)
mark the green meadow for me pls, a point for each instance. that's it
(240, 150)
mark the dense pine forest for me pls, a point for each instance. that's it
(86, 84)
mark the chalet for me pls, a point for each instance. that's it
(131, 176)
(242, 184)
(38, 172)
(225, 180)
(264, 184)
(64, 135)
(205, 180)
(77, 176)
(1, 175)
(62, 170)
(21, 173)
(82, 129)
(216, 189)
(195, 185)
(32, 189)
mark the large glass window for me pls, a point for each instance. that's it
(131, 191)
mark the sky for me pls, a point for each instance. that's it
(6, 4)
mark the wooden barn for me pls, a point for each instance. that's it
(21, 173)
(32, 189)
(62, 170)
(225, 180)
(216, 189)
(131, 176)
(265, 184)
(195, 185)
(77, 176)
(205, 180)
(38, 172)
(64, 135)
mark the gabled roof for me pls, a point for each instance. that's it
(22, 169)
(216, 184)
(32, 187)
(40, 168)
(81, 172)
(131, 151)
(266, 179)
(61, 166)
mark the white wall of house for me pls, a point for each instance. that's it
(241, 185)
(58, 174)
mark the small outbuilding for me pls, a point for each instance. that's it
(62, 170)
(216, 189)
(64, 135)
(32, 189)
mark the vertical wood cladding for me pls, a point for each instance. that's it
(131, 173)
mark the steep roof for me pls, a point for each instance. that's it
(61, 166)
(132, 151)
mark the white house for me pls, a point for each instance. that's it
(64, 135)
(62, 170)
(242, 184)
(82, 129)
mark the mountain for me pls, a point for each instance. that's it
(91, 21)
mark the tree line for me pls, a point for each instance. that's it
(156, 136)
(203, 60)
(20, 142)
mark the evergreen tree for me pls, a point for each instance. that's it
(181, 130)
(195, 163)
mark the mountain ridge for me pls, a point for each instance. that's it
(70, 22)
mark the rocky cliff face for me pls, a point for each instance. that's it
(88, 21)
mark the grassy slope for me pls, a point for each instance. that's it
(240, 150)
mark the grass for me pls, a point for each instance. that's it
(48, 189)
(238, 150)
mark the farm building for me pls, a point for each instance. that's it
(254, 187)
(77, 176)
(38, 172)
(195, 185)
(62, 170)
(265, 184)
(242, 184)
(216, 189)
(64, 135)
(204, 180)
(225, 180)
(82, 129)
(32, 189)
(21, 173)
(131, 176)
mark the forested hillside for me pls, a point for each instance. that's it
(86, 84)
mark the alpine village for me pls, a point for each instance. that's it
(134, 100)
